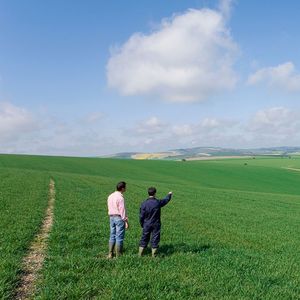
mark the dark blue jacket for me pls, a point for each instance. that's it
(150, 210)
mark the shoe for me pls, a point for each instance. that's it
(111, 247)
(119, 250)
(141, 251)
(154, 252)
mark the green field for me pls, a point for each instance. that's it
(23, 200)
(231, 230)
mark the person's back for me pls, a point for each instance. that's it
(151, 210)
(150, 220)
(117, 219)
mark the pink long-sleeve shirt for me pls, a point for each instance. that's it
(116, 204)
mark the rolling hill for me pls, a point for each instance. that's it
(209, 153)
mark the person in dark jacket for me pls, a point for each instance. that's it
(150, 220)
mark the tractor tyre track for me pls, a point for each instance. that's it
(33, 261)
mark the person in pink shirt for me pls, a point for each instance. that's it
(118, 220)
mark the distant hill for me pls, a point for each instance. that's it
(209, 153)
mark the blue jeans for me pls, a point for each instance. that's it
(117, 230)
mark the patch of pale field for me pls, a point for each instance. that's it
(144, 156)
(292, 169)
(153, 155)
(216, 157)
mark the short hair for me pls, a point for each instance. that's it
(121, 185)
(151, 191)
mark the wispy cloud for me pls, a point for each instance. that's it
(225, 7)
(150, 126)
(24, 132)
(92, 118)
(274, 126)
(206, 126)
(283, 76)
(15, 121)
(275, 121)
(189, 58)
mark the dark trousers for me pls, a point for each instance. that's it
(153, 231)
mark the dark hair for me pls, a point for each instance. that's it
(121, 185)
(151, 191)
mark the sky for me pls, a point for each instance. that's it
(92, 78)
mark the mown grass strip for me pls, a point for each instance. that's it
(33, 261)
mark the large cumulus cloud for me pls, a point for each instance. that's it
(189, 58)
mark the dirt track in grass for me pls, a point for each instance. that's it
(33, 261)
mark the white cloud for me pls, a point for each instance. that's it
(275, 121)
(275, 126)
(155, 135)
(22, 131)
(189, 58)
(15, 122)
(283, 76)
(210, 123)
(205, 127)
(148, 127)
(225, 6)
(183, 130)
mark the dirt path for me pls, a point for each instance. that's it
(33, 261)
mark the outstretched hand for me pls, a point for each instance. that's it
(170, 193)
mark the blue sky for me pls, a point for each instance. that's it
(91, 78)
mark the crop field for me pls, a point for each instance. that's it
(231, 230)
(23, 200)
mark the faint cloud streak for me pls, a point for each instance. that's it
(15, 121)
(283, 76)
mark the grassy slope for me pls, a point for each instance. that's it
(230, 232)
(260, 175)
(228, 245)
(23, 199)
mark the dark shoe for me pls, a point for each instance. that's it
(154, 252)
(111, 247)
(141, 251)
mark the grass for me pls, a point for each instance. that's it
(23, 199)
(230, 232)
